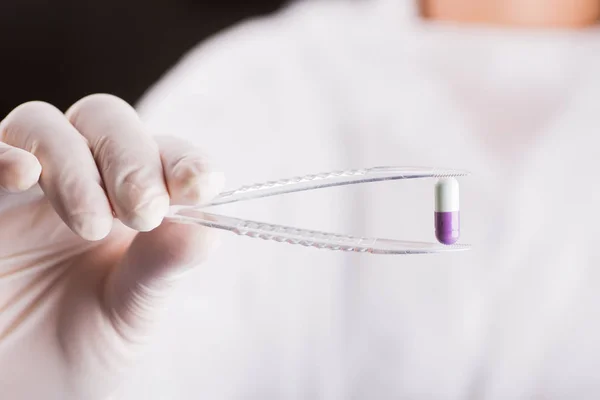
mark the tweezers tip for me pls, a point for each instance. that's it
(450, 173)
(458, 247)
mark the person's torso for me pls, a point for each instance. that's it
(515, 317)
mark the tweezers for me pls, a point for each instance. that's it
(310, 238)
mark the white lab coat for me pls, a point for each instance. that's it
(331, 85)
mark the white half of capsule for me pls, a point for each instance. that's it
(446, 195)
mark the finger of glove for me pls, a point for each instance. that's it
(19, 170)
(191, 180)
(127, 158)
(69, 176)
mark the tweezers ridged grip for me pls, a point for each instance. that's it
(304, 237)
(295, 180)
(242, 192)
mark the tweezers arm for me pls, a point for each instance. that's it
(329, 179)
(304, 237)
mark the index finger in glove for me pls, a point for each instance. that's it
(127, 158)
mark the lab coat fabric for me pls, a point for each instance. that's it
(323, 86)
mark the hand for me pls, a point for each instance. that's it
(85, 259)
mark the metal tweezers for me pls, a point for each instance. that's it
(304, 237)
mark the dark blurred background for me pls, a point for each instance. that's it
(61, 50)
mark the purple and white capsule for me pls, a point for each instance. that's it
(447, 219)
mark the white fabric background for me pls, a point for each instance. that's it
(328, 85)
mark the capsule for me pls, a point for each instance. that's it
(447, 219)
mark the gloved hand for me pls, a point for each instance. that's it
(85, 259)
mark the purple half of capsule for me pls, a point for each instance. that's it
(447, 226)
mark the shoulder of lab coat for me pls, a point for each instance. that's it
(221, 81)
(261, 90)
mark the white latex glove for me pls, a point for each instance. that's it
(84, 258)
